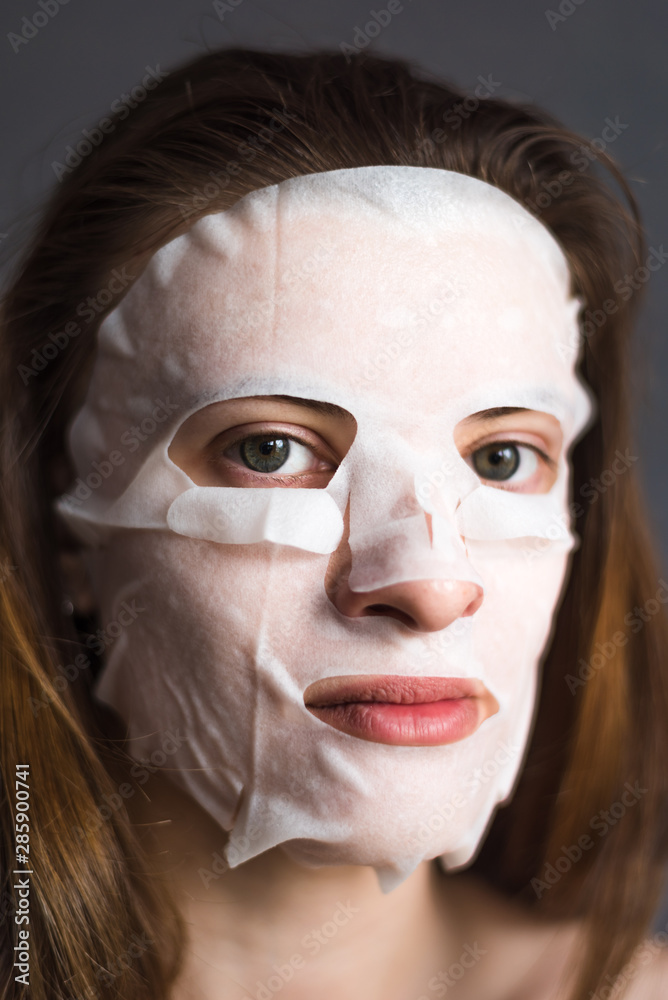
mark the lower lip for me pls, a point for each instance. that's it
(427, 724)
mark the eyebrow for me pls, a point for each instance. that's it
(494, 412)
(327, 409)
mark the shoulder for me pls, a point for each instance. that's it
(546, 952)
(645, 975)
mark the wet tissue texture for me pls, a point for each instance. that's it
(412, 298)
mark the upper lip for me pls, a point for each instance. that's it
(393, 689)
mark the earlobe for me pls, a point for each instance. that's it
(76, 586)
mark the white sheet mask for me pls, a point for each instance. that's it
(413, 298)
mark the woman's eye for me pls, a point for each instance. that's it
(273, 453)
(503, 461)
(272, 457)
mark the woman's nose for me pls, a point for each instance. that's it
(422, 605)
(401, 575)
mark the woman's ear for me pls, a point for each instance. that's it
(77, 590)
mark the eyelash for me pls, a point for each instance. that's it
(266, 477)
(500, 442)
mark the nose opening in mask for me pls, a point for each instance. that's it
(412, 567)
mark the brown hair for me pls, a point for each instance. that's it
(209, 133)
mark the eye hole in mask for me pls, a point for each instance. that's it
(512, 449)
(238, 451)
(286, 443)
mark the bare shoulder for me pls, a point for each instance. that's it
(645, 975)
(536, 959)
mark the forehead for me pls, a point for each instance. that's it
(431, 289)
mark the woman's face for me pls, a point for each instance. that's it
(349, 537)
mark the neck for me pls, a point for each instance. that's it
(272, 923)
(272, 928)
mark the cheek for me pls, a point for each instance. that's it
(210, 612)
(522, 588)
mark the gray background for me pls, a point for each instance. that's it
(604, 59)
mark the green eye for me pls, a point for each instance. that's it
(497, 461)
(265, 454)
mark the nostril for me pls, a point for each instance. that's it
(473, 606)
(419, 605)
(389, 612)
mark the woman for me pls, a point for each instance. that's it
(293, 184)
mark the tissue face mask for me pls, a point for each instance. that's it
(324, 460)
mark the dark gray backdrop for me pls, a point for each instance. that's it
(585, 61)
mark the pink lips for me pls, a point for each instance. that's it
(403, 711)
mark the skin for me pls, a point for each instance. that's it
(271, 909)
(247, 920)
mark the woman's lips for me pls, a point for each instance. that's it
(403, 711)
